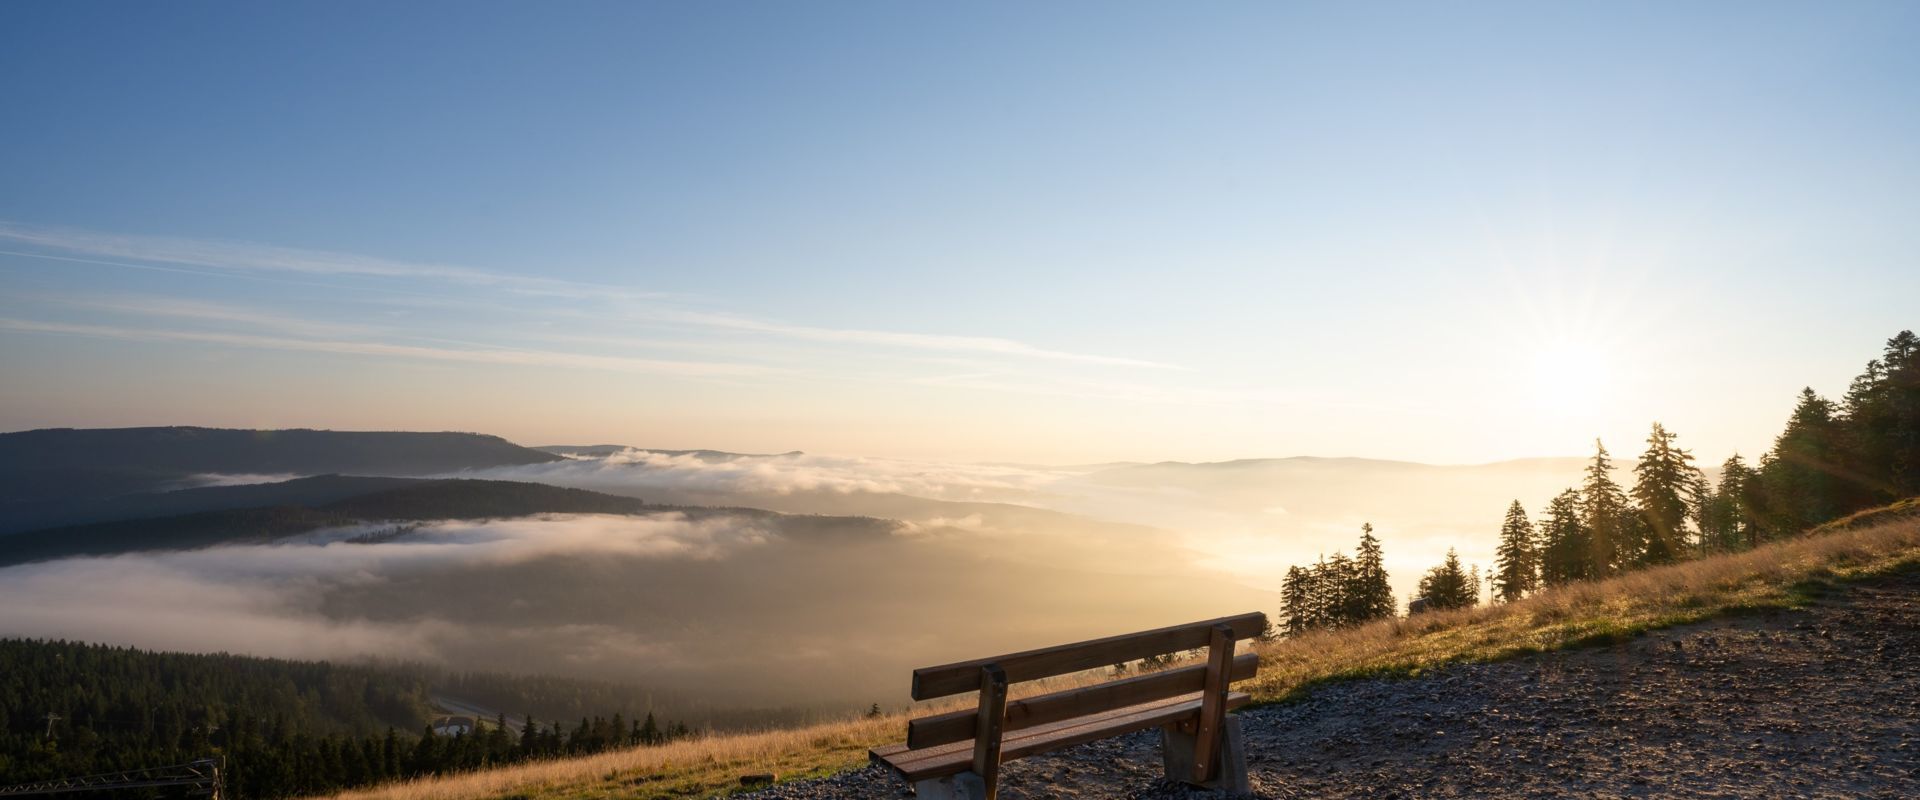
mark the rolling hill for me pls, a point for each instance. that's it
(48, 464)
(310, 504)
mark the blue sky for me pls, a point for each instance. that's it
(1059, 232)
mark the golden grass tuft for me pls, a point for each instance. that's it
(1777, 575)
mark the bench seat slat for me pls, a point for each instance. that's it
(953, 758)
(1046, 662)
(1062, 705)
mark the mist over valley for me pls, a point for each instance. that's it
(680, 570)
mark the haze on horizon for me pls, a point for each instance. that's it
(1061, 234)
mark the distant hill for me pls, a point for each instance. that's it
(412, 500)
(604, 450)
(182, 532)
(53, 463)
(475, 499)
(317, 490)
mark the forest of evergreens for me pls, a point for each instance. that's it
(1833, 459)
(286, 728)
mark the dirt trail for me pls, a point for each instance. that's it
(1821, 702)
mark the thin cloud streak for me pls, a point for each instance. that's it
(533, 358)
(248, 257)
(923, 341)
(198, 311)
(231, 258)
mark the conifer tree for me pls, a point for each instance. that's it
(426, 753)
(1604, 514)
(1729, 524)
(1881, 426)
(1566, 547)
(1449, 586)
(1664, 490)
(1700, 509)
(1370, 597)
(1899, 423)
(1296, 602)
(1801, 476)
(529, 738)
(1518, 566)
(1336, 587)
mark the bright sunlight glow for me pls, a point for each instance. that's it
(1570, 378)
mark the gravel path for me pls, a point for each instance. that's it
(1822, 702)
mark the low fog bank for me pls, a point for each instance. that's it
(950, 561)
(728, 609)
(706, 477)
(1249, 519)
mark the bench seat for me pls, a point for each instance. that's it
(951, 759)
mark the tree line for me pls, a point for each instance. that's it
(1831, 460)
(285, 728)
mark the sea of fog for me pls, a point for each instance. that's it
(952, 561)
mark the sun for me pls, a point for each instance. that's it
(1571, 378)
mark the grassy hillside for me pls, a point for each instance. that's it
(1783, 574)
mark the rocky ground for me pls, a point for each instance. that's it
(1822, 702)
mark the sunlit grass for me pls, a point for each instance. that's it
(1778, 575)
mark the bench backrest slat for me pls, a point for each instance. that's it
(1046, 662)
(959, 726)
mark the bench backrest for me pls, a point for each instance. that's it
(994, 674)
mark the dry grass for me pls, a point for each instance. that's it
(1777, 575)
(702, 766)
(692, 767)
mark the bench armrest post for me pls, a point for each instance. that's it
(1213, 703)
(992, 723)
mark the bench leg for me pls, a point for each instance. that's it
(1229, 774)
(964, 786)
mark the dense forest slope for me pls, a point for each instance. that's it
(55, 463)
(289, 727)
(391, 500)
(314, 491)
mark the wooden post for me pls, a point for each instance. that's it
(986, 735)
(1213, 704)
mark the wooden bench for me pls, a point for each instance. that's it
(957, 755)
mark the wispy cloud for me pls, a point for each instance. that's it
(256, 260)
(252, 257)
(201, 311)
(534, 358)
(921, 341)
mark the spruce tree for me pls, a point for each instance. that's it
(1900, 423)
(1566, 547)
(1880, 419)
(1296, 602)
(1604, 515)
(1700, 510)
(1370, 597)
(1801, 476)
(1518, 566)
(1729, 524)
(1448, 586)
(529, 738)
(1337, 586)
(1664, 490)
(426, 753)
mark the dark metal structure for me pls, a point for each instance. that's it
(200, 778)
